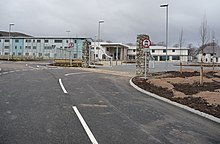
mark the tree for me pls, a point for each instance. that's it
(204, 36)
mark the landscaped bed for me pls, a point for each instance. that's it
(185, 89)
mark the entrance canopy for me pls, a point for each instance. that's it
(117, 51)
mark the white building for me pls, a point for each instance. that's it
(114, 51)
(210, 54)
(159, 53)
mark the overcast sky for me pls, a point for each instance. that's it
(124, 19)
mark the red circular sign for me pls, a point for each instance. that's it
(146, 43)
(70, 45)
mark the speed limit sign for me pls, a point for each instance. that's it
(146, 43)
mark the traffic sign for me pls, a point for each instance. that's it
(146, 43)
(71, 45)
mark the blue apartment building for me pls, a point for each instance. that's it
(42, 47)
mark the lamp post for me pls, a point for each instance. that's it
(68, 34)
(99, 37)
(166, 6)
(9, 36)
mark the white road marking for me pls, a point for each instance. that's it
(11, 71)
(17, 70)
(61, 84)
(85, 126)
(4, 72)
(76, 73)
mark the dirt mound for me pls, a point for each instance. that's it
(185, 89)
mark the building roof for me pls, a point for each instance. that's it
(210, 48)
(114, 45)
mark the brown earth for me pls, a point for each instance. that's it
(185, 89)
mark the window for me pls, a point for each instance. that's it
(33, 40)
(75, 41)
(16, 40)
(164, 51)
(15, 47)
(40, 54)
(106, 49)
(46, 41)
(163, 58)
(58, 41)
(6, 47)
(6, 53)
(0, 40)
(27, 54)
(153, 51)
(173, 50)
(38, 41)
(6, 40)
(66, 41)
(28, 47)
(28, 40)
(20, 47)
(34, 47)
(175, 57)
(134, 50)
(19, 53)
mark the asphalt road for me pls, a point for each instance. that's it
(35, 108)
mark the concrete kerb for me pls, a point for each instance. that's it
(205, 115)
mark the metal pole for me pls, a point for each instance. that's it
(117, 56)
(166, 6)
(166, 36)
(89, 54)
(99, 37)
(9, 37)
(145, 66)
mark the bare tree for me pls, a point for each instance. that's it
(181, 42)
(213, 50)
(204, 36)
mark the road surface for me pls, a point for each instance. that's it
(50, 105)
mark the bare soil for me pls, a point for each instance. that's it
(185, 89)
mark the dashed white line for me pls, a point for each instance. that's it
(11, 71)
(76, 73)
(85, 126)
(4, 72)
(61, 84)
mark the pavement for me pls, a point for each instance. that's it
(41, 104)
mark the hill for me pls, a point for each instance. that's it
(13, 34)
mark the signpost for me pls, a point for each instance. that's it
(143, 55)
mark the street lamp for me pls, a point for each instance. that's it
(9, 36)
(166, 6)
(99, 36)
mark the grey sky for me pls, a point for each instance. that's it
(124, 19)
